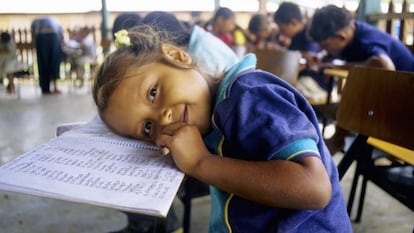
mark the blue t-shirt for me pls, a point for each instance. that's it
(302, 42)
(369, 41)
(259, 117)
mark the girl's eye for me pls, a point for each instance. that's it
(152, 94)
(147, 128)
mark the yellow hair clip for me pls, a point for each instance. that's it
(122, 38)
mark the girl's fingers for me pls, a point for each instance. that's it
(172, 128)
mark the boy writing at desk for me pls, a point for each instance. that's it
(357, 43)
(249, 135)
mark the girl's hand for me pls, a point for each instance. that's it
(185, 144)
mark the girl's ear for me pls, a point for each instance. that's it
(176, 56)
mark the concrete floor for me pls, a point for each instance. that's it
(30, 120)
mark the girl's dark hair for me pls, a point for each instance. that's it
(257, 23)
(223, 12)
(125, 21)
(286, 12)
(145, 48)
(327, 21)
(168, 23)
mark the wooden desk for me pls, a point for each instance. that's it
(341, 74)
(398, 152)
(337, 72)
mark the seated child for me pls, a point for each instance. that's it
(249, 135)
(196, 41)
(263, 34)
(222, 25)
(292, 25)
(357, 43)
(9, 64)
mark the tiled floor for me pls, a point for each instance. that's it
(32, 120)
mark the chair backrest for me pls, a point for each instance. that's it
(379, 103)
(283, 63)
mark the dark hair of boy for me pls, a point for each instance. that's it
(286, 12)
(329, 19)
(256, 23)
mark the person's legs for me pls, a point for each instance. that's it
(42, 63)
(55, 54)
(55, 88)
(10, 85)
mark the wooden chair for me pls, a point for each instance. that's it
(286, 64)
(283, 63)
(379, 104)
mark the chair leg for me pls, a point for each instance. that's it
(187, 215)
(361, 199)
(357, 147)
(352, 192)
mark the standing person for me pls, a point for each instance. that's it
(357, 43)
(248, 134)
(87, 56)
(48, 40)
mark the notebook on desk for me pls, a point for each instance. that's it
(379, 103)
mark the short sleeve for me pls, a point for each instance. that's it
(269, 122)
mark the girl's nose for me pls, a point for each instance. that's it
(166, 116)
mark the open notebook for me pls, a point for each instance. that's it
(90, 164)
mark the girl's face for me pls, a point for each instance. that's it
(226, 25)
(157, 94)
(265, 32)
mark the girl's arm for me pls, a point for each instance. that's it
(284, 184)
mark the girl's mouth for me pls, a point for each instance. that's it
(185, 114)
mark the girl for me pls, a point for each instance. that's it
(249, 135)
(263, 34)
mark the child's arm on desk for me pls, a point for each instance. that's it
(378, 61)
(285, 184)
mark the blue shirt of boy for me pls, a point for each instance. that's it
(259, 117)
(302, 42)
(369, 41)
